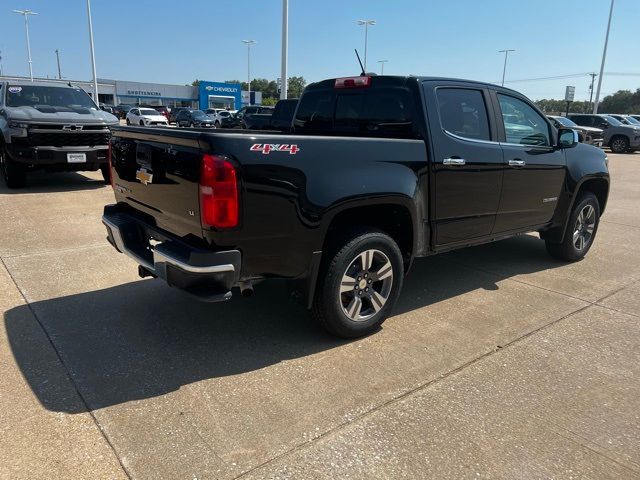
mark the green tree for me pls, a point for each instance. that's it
(623, 101)
(295, 86)
(195, 83)
(269, 101)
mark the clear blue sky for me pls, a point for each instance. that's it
(177, 41)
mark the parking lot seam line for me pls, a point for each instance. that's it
(599, 450)
(61, 250)
(620, 224)
(68, 372)
(417, 389)
(522, 282)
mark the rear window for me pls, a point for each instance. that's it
(373, 112)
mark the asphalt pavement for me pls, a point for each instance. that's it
(499, 362)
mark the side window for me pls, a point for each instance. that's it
(522, 124)
(463, 112)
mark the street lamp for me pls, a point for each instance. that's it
(26, 14)
(248, 43)
(504, 69)
(366, 24)
(382, 62)
(604, 56)
(93, 57)
(285, 49)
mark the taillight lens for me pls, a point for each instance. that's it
(218, 192)
(352, 82)
(110, 166)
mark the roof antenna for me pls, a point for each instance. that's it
(363, 74)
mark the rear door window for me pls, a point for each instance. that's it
(315, 112)
(463, 112)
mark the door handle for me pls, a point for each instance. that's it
(453, 161)
(517, 163)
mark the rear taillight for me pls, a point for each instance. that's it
(218, 192)
(353, 82)
(110, 166)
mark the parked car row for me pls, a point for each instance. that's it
(618, 136)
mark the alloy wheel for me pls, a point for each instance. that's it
(584, 227)
(366, 285)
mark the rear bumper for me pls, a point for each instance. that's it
(205, 274)
(56, 157)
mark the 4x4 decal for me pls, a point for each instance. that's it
(267, 148)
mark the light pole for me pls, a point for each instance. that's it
(248, 43)
(285, 49)
(604, 56)
(58, 60)
(93, 57)
(382, 62)
(26, 14)
(504, 69)
(0, 63)
(366, 24)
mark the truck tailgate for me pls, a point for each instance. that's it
(157, 172)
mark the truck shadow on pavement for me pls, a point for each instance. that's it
(44, 182)
(142, 339)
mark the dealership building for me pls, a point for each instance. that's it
(205, 95)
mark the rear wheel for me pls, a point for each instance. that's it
(581, 230)
(359, 284)
(14, 174)
(619, 144)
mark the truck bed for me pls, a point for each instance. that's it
(288, 184)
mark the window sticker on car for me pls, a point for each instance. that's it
(267, 148)
(15, 89)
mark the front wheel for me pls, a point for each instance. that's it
(619, 144)
(581, 230)
(359, 284)
(14, 174)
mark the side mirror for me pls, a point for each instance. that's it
(567, 138)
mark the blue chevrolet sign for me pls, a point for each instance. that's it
(220, 95)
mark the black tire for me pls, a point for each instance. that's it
(338, 311)
(106, 174)
(14, 174)
(568, 249)
(619, 144)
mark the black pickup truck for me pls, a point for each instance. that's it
(375, 172)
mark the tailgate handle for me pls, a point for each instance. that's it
(453, 161)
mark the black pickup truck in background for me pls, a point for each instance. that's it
(281, 119)
(376, 172)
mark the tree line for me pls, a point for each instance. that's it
(269, 88)
(623, 101)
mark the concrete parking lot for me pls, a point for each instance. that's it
(499, 362)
